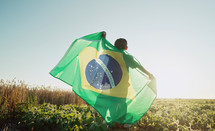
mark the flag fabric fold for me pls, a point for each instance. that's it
(109, 79)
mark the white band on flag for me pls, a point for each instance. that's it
(104, 67)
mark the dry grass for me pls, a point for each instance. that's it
(13, 93)
(58, 97)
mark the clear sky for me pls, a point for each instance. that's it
(174, 40)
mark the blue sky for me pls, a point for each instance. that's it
(174, 40)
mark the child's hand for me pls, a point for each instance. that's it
(151, 77)
(104, 34)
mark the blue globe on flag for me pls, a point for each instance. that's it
(103, 73)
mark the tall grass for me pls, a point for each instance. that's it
(14, 93)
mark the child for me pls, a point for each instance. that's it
(121, 43)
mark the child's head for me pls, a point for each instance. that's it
(121, 44)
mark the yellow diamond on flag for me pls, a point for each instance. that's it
(123, 88)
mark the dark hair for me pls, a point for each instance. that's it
(121, 43)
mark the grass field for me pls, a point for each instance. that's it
(41, 108)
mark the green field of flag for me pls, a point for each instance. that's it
(109, 79)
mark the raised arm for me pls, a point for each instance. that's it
(133, 63)
(148, 73)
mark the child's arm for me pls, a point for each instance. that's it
(135, 64)
(145, 71)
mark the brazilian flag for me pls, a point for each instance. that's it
(109, 79)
